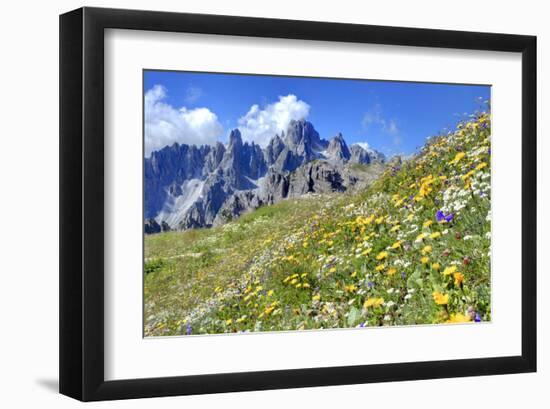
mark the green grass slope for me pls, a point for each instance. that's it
(413, 248)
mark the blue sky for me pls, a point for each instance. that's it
(393, 117)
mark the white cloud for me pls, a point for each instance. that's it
(391, 127)
(165, 124)
(364, 145)
(192, 94)
(260, 125)
(374, 118)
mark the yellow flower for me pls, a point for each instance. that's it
(366, 251)
(380, 267)
(218, 289)
(270, 293)
(394, 228)
(436, 266)
(467, 175)
(332, 270)
(373, 302)
(382, 255)
(427, 223)
(459, 278)
(440, 299)
(458, 317)
(449, 270)
(293, 281)
(350, 288)
(427, 249)
(316, 297)
(392, 271)
(352, 275)
(481, 166)
(435, 235)
(306, 285)
(425, 260)
(457, 158)
(420, 237)
(396, 245)
(380, 220)
(229, 321)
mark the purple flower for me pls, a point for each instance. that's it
(440, 216)
(370, 284)
(477, 318)
(489, 151)
(188, 329)
(449, 217)
(403, 275)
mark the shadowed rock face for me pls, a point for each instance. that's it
(189, 187)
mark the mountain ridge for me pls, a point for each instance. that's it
(189, 186)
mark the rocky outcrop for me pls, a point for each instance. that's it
(151, 226)
(359, 155)
(190, 187)
(338, 150)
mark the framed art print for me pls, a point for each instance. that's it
(255, 204)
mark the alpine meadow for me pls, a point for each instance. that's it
(310, 204)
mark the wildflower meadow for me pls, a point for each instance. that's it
(413, 248)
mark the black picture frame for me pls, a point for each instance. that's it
(82, 199)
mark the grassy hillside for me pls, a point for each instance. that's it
(413, 248)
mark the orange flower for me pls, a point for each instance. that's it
(459, 278)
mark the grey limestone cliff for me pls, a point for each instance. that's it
(189, 187)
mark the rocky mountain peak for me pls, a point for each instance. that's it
(359, 155)
(273, 149)
(338, 149)
(235, 138)
(301, 134)
(366, 155)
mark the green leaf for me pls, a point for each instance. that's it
(354, 316)
(415, 278)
